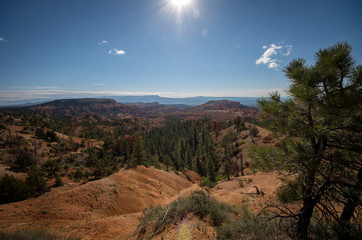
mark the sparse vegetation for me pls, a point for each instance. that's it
(251, 226)
(205, 182)
(12, 190)
(36, 181)
(58, 181)
(254, 131)
(199, 204)
(241, 183)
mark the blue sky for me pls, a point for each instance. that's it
(136, 47)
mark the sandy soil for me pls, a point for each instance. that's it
(104, 209)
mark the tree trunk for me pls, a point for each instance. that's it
(352, 201)
(309, 202)
(241, 165)
(307, 209)
(304, 218)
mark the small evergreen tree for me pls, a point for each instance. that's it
(253, 132)
(12, 189)
(24, 158)
(58, 181)
(138, 152)
(199, 168)
(78, 174)
(211, 170)
(51, 167)
(36, 181)
(167, 161)
(188, 159)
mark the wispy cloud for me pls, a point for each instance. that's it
(115, 51)
(289, 49)
(2, 39)
(6, 96)
(104, 42)
(37, 87)
(98, 84)
(46, 87)
(269, 57)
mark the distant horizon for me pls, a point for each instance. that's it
(127, 99)
(59, 94)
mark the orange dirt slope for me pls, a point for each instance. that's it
(104, 209)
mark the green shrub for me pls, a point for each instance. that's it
(289, 192)
(199, 203)
(12, 190)
(51, 136)
(188, 177)
(254, 131)
(40, 133)
(51, 167)
(207, 183)
(58, 181)
(36, 181)
(24, 158)
(250, 226)
(78, 174)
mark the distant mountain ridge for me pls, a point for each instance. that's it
(188, 101)
(191, 101)
(218, 105)
(110, 107)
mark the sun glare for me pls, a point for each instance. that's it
(180, 3)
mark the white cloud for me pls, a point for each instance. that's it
(37, 87)
(103, 42)
(2, 39)
(289, 50)
(273, 65)
(46, 87)
(275, 46)
(115, 51)
(269, 56)
(98, 84)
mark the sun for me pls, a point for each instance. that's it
(181, 3)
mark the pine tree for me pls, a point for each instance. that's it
(58, 181)
(323, 150)
(211, 170)
(199, 166)
(188, 158)
(167, 161)
(36, 181)
(242, 164)
(138, 152)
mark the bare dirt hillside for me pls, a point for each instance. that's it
(230, 192)
(104, 209)
(241, 191)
